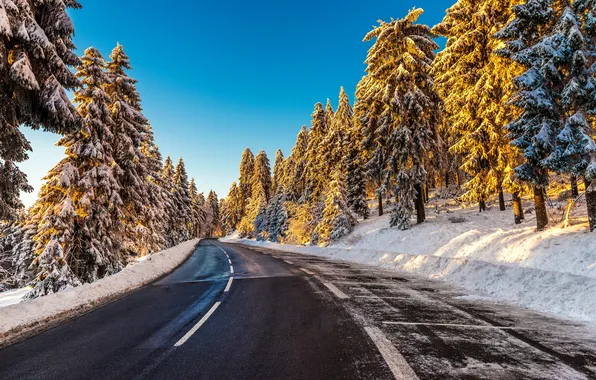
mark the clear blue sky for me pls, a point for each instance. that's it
(216, 77)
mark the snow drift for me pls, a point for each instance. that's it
(553, 271)
(28, 318)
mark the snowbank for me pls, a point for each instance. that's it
(553, 271)
(11, 297)
(25, 319)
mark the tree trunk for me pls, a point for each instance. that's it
(380, 204)
(574, 189)
(482, 205)
(501, 199)
(420, 213)
(540, 207)
(518, 211)
(591, 203)
(447, 178)
(426, 193)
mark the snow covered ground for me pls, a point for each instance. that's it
(553, 271)
(21, 319)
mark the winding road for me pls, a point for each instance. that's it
(238, 312)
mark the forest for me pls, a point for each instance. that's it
(505, 107)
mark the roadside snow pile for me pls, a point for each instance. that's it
(14, 296)
(23, 319)
(553, 271)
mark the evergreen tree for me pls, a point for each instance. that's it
(278, 168)
(262, 176)
(79, 204)
(474, 84)
(314, 176)
(206, 215)
(130, 130)
(277, 218)
(37, 52)
(196, 214)
(338, 219)
(183, 203)
(214, 205)
(295, 168)
(356, 187)
(172, 212)
(247, 165)
(231, 214)
(401, 86)
(538, 38)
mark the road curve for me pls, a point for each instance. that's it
(271, 321)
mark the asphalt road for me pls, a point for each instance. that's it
(235, 312)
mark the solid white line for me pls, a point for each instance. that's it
(456, 325)
(197, 326)
(231, 269)
(307, 271)
(229, 285)
(338, 293)
(399, 366)
(289, 262)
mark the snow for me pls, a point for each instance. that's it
(23, 319)
(552, 271)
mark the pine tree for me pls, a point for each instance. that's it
(183, 203)
(277, 218)
(314, 177)
(538, 38)
(196, 215)
(231, 214)
(295, 167)
(79, 204)
(37, 54)
(278, 170)
(214, 205)
(474, 84)
(261, 180)
(338, 220)
(401, 86)
(247, 165)
(130, 130)
(206, 215)
(172, 212)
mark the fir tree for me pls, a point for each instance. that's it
(338, 220)
(183, 203)
(474, 84)
(247, 165)
(79, 204)
(314, 176)
(196, 214)
(130, 130)
(37, 54)
(536, 40)
(277, 218)
(172, 212)
(408, 107)
(262, 176)
(232, 212)
(278, 168)
(214, 205)
(295, 168)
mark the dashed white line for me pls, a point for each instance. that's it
(231, 269)
(338, 293)
(229, 285)
(230, 261)
(399, 366)
(197, 326)
(456, 325)
(307, 271)
(289, 262)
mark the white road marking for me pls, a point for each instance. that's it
(307, 271)
(338, 293)
(456, 325)
(397, 364)
(289, 262)
(230, 261)
(197, 326)
(229, 285)
(231, 269)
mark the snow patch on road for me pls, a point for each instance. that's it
(20, 320)
(553, 271)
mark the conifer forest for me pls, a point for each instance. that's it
(503, 111)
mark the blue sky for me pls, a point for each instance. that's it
(216, 77)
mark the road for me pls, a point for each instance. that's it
(237, 312)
